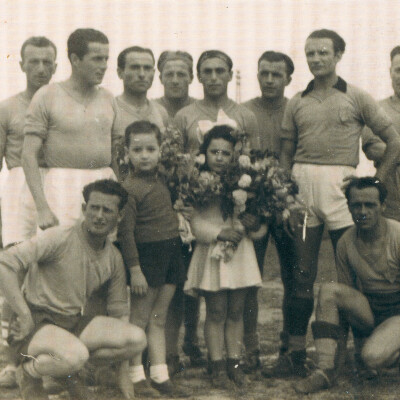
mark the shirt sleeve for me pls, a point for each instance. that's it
(368, 138)
(289, 127)
(37, 117)
(344, 272)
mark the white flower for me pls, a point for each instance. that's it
(285, 214)
(239, 197)
(244, 161)
(244, 181)
(257, 166)
(200, 159)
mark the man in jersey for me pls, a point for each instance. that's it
(214, 71)
(367, 295)
(38, 62)
(274, 74)
(71, 122)
(374, 147)
(320, 135)
(176, 74)
(61, 268)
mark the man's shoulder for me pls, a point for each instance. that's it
(356, 91)
(393, 227)
(13, 104)
(347, 237)
(252, 104)
(188, 110)
(103, 92)
(159, 107)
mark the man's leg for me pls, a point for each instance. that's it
(334, 299)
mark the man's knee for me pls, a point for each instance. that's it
(373, 356)
(135, 337)
(75, 357)
(328, 293)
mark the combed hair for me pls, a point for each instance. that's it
(339, 45)
(276, 56)
(106, 186)
(141, 127)
(367, 182)
(78, 41)
(121, 61)
(395, 51)
(218, 132)
(214, 54)
(38, 41)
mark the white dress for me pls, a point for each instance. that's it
(210, 274)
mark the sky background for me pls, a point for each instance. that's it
(243, 29)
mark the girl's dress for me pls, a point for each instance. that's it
(206, 273)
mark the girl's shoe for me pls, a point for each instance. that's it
(236, 374)
(219, 377)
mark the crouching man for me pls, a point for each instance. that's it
(368, 293)
(62, 267)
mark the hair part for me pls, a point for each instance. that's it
(366, 182)
(339, 45)
(276, 56)
(38, 41)
(140, 127)
(106, 186)
(78, 41)
(224, 132)
(121, 60)
(214, 54)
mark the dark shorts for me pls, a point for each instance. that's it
(74, 324)
(161, 262)
(383, 305)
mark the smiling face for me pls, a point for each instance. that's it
(215, 77)
(219, 155)
(272, 77)
(176, 79)
(143, 152)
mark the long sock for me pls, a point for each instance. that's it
(159, 373)
(136, 373)
(297, 343)
(326, 349)
(29, 367)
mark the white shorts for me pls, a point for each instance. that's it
(18, 211)
(63, 190)
(320, 190)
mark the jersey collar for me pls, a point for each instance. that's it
(339, 85)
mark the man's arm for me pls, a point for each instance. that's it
(3, 131)
(30, 164)
(288, 149)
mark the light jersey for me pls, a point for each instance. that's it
(379, 276)
(127, 114)
(327, 131)
(75, 135)
(391, 106)
(196, 120)
(12, 121)
(63, 271)
(269, 119)
(171, 107)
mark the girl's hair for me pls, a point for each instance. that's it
(141, 127)
(218, 132)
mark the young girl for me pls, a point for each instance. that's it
(224, 285)
(150, 245)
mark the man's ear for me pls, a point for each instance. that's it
(83, 208)
(288, 80)
(21, 64)
(230, 75)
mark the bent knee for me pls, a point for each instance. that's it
(136, 337)
(76, 357)
(328, 292)
(373, 357)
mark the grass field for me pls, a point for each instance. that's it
(385, 387)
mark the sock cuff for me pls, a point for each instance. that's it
(326, 330)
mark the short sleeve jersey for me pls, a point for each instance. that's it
(327, 131)
(63, 271)
(171, 110)
(355, 270)
(196, 120)
(75, 135)
(269, 119)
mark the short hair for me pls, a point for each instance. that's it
(106, 186)
(367, 182)
(141, 127)
(121, 61)
(38, 41)
(78, 41)
(395, 51)
(214, 54)
(169, 55)
(276, 56)
(338, 42)
(218, 132)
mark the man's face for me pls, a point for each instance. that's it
(365, 207)
(215, 76)
(101, 213)
(138, 73)
(39, 65)
(321, 57)
(272, 77)
(395, 74)
(93, 65)
(176, 79)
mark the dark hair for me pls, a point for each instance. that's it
(214, 54)
(395, 51)
(141, 127)
(38, 41)
(338, 43)
(218, 132)
(169, 55)
(134, 49)
(276, 56)
(78, 41)
(367, 182)
(106, 186)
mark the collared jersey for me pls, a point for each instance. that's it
(196, 120)
(75, 135)
(327, 131)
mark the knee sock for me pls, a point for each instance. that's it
(136, 373)
(297, 343)
(159, 373)
(299, 313)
